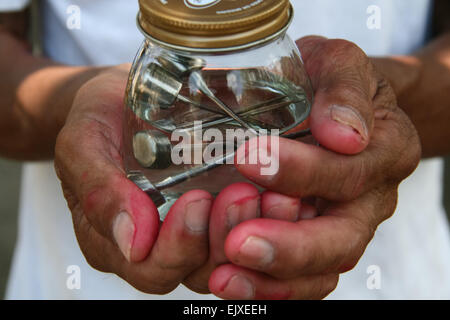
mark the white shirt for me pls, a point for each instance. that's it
(410, 252)
(12, 5)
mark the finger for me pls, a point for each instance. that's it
(235, 283)
(181, 247)
(308, 212)
(304, 170)
(89, 163)
(301, 170)
(333, 242)
(236, 203)
(280, 207)
(107, 259)
(297, 169)
(345, 84)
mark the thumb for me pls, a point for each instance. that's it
(345, 84)
(89, 164)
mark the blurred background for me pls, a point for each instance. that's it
(10, 173)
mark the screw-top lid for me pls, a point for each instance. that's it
(213, 23)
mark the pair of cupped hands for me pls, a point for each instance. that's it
(293, 241)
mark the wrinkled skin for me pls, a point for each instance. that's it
(246, 245)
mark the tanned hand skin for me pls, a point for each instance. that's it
(422, 86)
(74, 116)
(36, 93)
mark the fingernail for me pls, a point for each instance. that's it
(243, 211)
(257, 250)
(196, 216)
(350, 118)
(239, 287)
(286, 212)
(123, 231)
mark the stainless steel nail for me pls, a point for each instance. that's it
(154, 191)
(158, 88)
(202, 86)
(180, 65)
(145, 185)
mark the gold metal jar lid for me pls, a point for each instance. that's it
(213, 24)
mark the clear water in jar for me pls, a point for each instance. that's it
(261, 98)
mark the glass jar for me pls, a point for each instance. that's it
(209, 76)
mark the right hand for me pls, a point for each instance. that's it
(116, 224)
(366, 146)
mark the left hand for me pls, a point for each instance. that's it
(116, 224)
(368, 146)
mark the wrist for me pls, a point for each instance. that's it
(402, 72)
(43, 99)
(73, 79)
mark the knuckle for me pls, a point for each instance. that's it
(307, 261)
(186, 261)
(63, 141)
(354, 91)
(174, 263)
(337, 55)
(341, 50)
(388, 199)
(353, 184)
(320, 287)
(351, 251)
(349, 180)
(401, 144)
(363, 232)
(72, 200)
(198, 280)
(90, 201)
(95, 263)
(148, 282)
(410, 148)
(327, 285)
(160, 288)
(407, 162)
(151, 284)
(89, 249)
(201, 288)
(384, 95)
